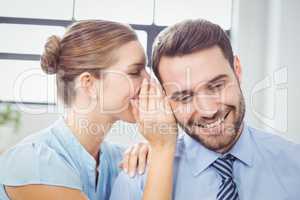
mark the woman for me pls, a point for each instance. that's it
(100, 66)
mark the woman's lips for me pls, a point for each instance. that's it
(137, 94)
(135, 97)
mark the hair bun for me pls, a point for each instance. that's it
(50, 56)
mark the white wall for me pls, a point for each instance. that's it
(35, 118)
(265, 34)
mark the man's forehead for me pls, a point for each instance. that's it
(189, 75)
(203, 60)
(186, 76)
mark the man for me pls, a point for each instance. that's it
(219, 156)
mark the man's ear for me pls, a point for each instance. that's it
(237, 68)
(87, 83)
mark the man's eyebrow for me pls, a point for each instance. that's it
(211, 81)
(221, 76)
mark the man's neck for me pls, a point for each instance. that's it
(231, 145)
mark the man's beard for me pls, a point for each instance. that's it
(231, 132)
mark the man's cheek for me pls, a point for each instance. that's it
(182, 117)
(230, 96)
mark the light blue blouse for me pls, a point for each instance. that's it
(55, 157)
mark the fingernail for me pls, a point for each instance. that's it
(132, 174)
(141, 172)
(126, 171)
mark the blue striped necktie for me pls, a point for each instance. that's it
(224, 167)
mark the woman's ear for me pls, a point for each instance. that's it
(237, 68)
(88, 84)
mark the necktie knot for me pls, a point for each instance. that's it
(224, 166)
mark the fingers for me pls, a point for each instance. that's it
(160, 90)
(125, 162)
(135, 111)
(167, 106)
(143, 97)
(142, 158)
(133, 161)
(151, 93)
(155, 101)
(152, 98)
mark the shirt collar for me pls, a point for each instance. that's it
(200, 158)
(243, 148)
(72, 145)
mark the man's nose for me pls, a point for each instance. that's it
(207, 105)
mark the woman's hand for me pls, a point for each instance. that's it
(157, 123)
(135, 159)
(154, 116)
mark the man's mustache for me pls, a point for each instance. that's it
(220, 114)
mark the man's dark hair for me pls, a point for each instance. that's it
(187, 37)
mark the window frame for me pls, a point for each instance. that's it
(152, 31)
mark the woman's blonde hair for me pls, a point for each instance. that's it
(87, 46)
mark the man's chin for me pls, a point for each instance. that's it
(217, 131)
(213, 142)
(214, 139)
(209, 132)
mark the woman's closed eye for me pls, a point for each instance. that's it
(135, 72)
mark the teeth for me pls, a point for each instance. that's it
(212, 125)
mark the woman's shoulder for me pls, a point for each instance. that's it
(48, 141)
(35, 160)
(32, 145)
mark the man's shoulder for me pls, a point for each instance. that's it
(270, 136)
(279, 156)
(273, 143)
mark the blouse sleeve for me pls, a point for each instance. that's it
(37, 164)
